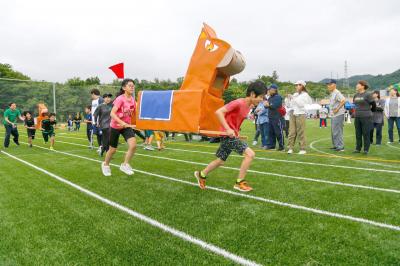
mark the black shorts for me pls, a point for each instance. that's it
(127, 133)
(31, 133)
(228, 145)
(47, 134)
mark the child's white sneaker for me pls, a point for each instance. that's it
(290, 151)
(302, 152)
(126, 168)
(106, 169)
(254, 142)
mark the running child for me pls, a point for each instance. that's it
(89, 127)
(231, 117)
(48, 126)
(70, 123)
(159, 136)
(121, 124)
(103, 118)
(149, 135)
(30, 127)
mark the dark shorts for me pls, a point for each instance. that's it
(228, 145)
(47, 134)
(127, 133)
(148, 133)
(31, 133)
(96, 130)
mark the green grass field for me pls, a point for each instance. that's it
(317, 209)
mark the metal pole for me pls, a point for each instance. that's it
(54, 98)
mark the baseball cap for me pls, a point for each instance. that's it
(331, 81)
(107, 95)
(273, 86)
(301, 82)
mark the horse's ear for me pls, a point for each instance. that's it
(209, 31)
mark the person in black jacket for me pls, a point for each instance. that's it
(274, 103)
(364, 106)
(377, 119)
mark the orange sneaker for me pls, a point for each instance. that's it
(200, 180)
(242, 186)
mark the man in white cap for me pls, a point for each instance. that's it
(336, 110)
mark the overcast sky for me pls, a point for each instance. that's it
(57, 40)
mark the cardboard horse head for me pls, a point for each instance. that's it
(192, 107)
(42, 114)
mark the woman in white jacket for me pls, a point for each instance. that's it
(392, 113)
(297, 123)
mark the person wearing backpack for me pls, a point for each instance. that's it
(297, 123)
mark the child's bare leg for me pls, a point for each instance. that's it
(52, 141)
(212, 166)
(30, 140)
(109, 155)
(248, 158)
(159, 144)
(131, 150)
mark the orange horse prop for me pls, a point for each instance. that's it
(192, 108)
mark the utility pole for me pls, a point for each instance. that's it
(54, 98)
(346, 83)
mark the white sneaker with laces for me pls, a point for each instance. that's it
(302, 152)
(106, 169)
(150, 148)
(290, 151)
(126, 168)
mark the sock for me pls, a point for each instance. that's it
(202, 175)
(239, 180)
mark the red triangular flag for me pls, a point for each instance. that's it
(118, 70)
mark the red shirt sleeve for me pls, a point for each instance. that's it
(232, 105)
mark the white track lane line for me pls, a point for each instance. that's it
(292, 161)
(265, 173)
(261, 199)
(340, 157)
(393, 147)
(182, 235)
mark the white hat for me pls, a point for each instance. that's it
(301, 82)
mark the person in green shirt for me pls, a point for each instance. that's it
(10, 123)
(48, 125)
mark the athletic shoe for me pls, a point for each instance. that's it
(365, 152)
(149, 148)
(332, 148)
(105, 169)
(389, 142)
(254, 142)
(51, 148)
(356, 151)
(302, 152)
(200, 180)
(280, 149)
(126, 168)
(99, 149)
(100, 152)
(339, 149)
(242, 186)
(290, 151)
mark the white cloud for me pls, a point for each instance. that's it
(56, 40)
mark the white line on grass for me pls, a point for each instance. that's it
(257, 198)
(393, 147)
(182, 235)
(340, 157)
(266, 173)
(291, 161)
(298, 162)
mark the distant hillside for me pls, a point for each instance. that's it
(376, 82)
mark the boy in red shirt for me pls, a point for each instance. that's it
(231, 117)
